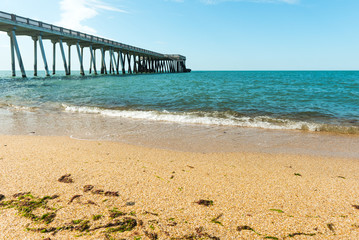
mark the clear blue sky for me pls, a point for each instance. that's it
(212, 34)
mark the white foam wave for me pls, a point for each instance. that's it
(13, 107)
(194, 118)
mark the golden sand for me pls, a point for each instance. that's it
(250, 196)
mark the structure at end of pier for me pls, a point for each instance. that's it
(120, 55)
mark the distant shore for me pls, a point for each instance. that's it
(100, 189)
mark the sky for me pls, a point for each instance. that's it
(212, 34)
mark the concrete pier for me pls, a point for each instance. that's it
(138, 60)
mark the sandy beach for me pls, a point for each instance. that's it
(111, 190)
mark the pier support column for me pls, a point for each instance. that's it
(112, 63)
(143, 64)
(35, 55)
(115, 63)
(142, 61)
(53, 57)
(103, 62)
(69, 59)
(12, 50)
(63, 57)
(118, 63)
(79, 53)
(129, 63)
(90, 69)
(82, 59)
(93, 59)
(43, 56)
(134, 64)
(122, 62)
(15, 46)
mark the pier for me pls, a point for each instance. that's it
(138, 60)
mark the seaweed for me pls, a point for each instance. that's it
(16, 195)
(96, 217)
(111, 194)
(215, 220)
(25, 204)
(276, 210)
(83, 226)
(73, 198)
(88, 188)
(91, 202)
(99, 192)
(126, 224)
(200, 234)
(48, 217)
(155, 214)
(301, 234)
(248, 228)
(115, 213)
(152, 236)
(206, 203)
(270, 237)
(66, 179)
(331, 227)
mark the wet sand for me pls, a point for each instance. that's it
(177, 136)
(162, 194)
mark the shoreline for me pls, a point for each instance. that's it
(178, 136)
(254, 195)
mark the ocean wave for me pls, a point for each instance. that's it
(205, 118)
(12, 107)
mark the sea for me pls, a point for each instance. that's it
(183, 110)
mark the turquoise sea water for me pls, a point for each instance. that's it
(268, 99)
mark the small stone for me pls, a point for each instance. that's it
(130, 203)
